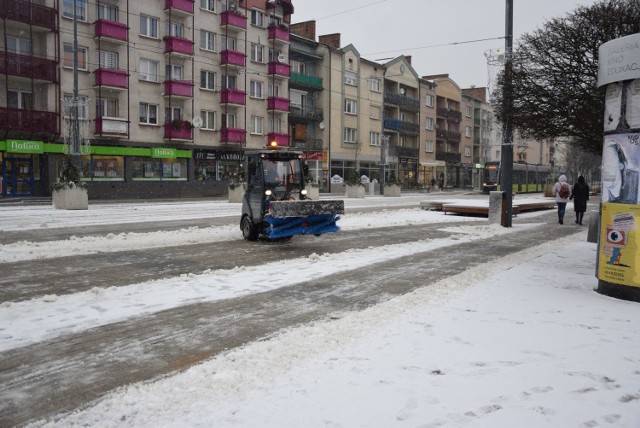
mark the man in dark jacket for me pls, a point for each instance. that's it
(580, 196)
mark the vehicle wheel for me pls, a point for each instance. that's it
(249, 230)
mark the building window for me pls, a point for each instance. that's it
(207, 80)
(274, 90)
(350, 106)
(228, 43)
(148, 26)
(173, 72)
(209, 5)
(228, 120)
(257, 53)
(18, 45)
(106, 107)
(82, 57)
(208, 119)
(207, 40)
(275, 125)
(148, 114)
(257, 18)
(256, 89)
(374, 139)
(229, 82)
(467, 111)
(350, 78)
(107, 59)
(257, 125)
(429, 123)
(522, 156)
(374, 85)
(375, 112)
(81, 9)
(174, 29)
(467, 131)
(172, 113)
(107, 11)
(148, 70)
(428, 146)
(83, 106)
(298, 67)
(429, 101)
(467, 152)
(350, 135)
(497, 154)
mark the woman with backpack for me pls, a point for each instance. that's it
(580, 196)
(562, 192)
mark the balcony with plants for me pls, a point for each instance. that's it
(233, 20)
(112, 30)
(28, 66)
(30, 13)
(184, 7)
(178, 88)
(178, 129)
(112, 77)
(233, 58)
(233, 96)
(178, 46)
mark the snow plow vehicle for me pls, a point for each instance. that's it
(275, 205)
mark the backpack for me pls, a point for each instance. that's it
(564, 192)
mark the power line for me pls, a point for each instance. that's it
(351, 10)
(437, 46)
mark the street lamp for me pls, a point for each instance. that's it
(384, 152)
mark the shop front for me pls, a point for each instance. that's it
(216, 165)
(21, 160)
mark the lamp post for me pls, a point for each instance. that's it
(506, 169)
(384, 149)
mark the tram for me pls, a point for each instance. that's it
(527, 178)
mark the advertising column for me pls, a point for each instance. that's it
(618, 265)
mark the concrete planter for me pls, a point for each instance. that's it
(354, 191)
(392, 190)
(237, 193)
(313, 192)
(72, 198)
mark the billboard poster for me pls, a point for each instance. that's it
(621, 168)
(619, 251)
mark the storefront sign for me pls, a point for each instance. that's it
(619, 60)
(217, 155)
(312, 155)
(25, 146)
(163, 153)
(619, 252)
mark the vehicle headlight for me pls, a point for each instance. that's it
(267, 192)
(303, 192)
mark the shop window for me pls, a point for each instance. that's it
(152, 169)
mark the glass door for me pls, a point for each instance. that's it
(17, 177)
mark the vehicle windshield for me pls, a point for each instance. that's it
(278, 173)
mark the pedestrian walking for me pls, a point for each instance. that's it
(580, 196)
(562, 192)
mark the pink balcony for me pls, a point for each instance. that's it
(112, 30)
(281, 139)
(28, 66)
(112, 77)
(178, 88)
(178, 45)
(232, 135)
(184, 6)
(111, 125)
(233, 20)
(278, 103)
(234, 58)
(278, 34)
(233, 96)
(33, 122)
(177, 130)
(279, 69)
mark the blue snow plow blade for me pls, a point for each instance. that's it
(312, 225)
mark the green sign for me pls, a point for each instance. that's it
(25, 146)
(164, 153)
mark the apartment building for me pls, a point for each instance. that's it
(475, 104)
(169, 93)
(430, 168)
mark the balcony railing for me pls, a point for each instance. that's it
(402, 101)
(29, 13)
(178, 45)
(310, 82)
(287, 7)
(308, 144)
(279, 69)
(178, 88)
(405, 152)
(278, 34)
(281, 139)
(401, 126)
(233, 96)
(448, 157)
(111, 126)
(182, 6)
(233, 20)
(112, 77)
(233, 135)
(29, 121)
(451, 136)
(28, 66)
(111, 29)
(306, 112)
(178, 130)
(278, 103)
(234, 58)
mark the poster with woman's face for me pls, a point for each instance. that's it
(620, 168)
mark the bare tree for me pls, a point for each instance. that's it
(555, 71)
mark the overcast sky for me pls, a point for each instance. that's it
(389, 28)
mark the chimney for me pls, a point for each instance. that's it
(306, 29)
(331, 40)
(479, 93)
(408, 58)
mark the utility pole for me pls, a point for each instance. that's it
(384, 148)
(75, 133)
(506, 164)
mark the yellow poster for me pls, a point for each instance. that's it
(619, 249)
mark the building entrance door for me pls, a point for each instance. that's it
(17, 177)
